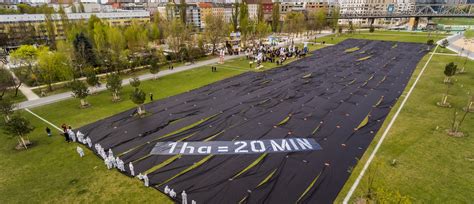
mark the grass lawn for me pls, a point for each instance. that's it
(431, 166)
(401, 36)
(454, 21)
(469, 34)
(61, 88)
(18, 98)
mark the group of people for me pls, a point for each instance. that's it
(266, 53)
(109, 159)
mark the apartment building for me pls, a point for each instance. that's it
(15, 27)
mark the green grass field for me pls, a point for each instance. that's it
(469, 34)
(454, 21)
(18, 98)
(431, 164)
(432, 167)
(401, 36)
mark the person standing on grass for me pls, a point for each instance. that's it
(65, 132)
(151, 96)
(48, 131)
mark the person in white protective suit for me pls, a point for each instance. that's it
(145, 180)
(132, 171)
(80, 151)
(184, 197)
(172, 193)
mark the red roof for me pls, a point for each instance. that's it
(204, 5)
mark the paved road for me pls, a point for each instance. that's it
(67, 95)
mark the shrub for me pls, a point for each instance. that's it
(430, 42)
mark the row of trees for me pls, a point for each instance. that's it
(451, 69)
(15, 124)
(114, 85)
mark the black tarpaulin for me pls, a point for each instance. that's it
(338, 98)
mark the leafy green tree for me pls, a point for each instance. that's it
(114, 85)
(53, 66)
(334, 23)
(178, 35)
(92, 79)
(244, 25)
(135, 82)
(444, 43)
(138, 97)
(162, 24)
(449, 71)
(64, 19)
(7, 107)
(100, 39)
(215, 30)
(25, 55)
(154, 67)
(371, 29)
(80, 91)
(50, 29)
(6, 81)
(117, 45)
(19, 126)
(430, 42)
(153, 32)
(84, 55)
(276, 17)
(262, 30)
(320, 19)
(235, 17)
(136, 37)
(294, 23)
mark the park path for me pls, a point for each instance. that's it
(66, 95)
(25, 89)
(455, 46)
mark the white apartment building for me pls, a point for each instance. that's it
(365, 7)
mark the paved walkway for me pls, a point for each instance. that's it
(455, 46)
(63, 96)
(25, 90)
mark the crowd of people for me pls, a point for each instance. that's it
(110, 160)
(267, 53)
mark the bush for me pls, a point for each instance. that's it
(445, 43)
(430, 42)
(371, 29)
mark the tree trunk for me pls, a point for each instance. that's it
(83, 103)
(446, 79)
(445, 98)
(460, 122)
(3, 93)
(16, 88)
(23, 142)
(139, 110)
(115, 96)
